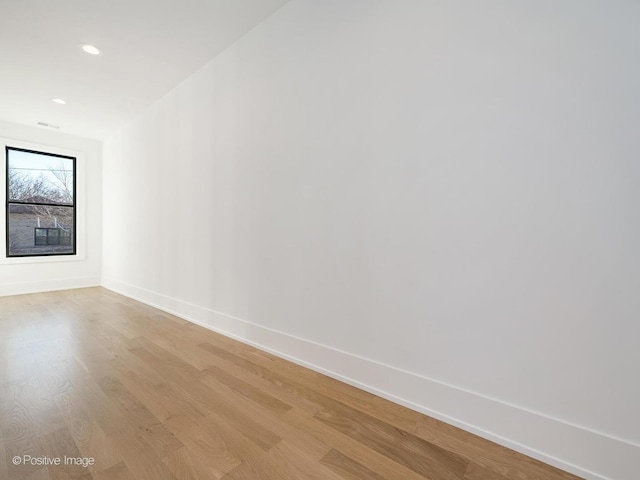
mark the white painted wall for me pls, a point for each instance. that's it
(19, 276)
(435, 200)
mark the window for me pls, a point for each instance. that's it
(41, 203)
(52, 236)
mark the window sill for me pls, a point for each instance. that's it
(45, 259)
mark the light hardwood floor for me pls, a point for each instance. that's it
(89, 373)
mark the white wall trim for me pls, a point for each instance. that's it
(38, 286)
(582, 451)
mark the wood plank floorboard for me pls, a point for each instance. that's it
(147, 395)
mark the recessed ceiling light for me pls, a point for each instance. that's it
(91, 49)
(59, 101)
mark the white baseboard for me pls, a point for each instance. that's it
(574, 448)
(38, 286)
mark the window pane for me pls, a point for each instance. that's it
(41, 236)
(26, 222)
(65, 237)
(39, 178)
(52, 236)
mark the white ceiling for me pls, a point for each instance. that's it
(149, 47)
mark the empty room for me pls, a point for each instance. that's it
(320, 240)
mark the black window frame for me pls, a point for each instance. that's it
(8, 203)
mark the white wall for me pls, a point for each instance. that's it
(437, 201)
(55, 273)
